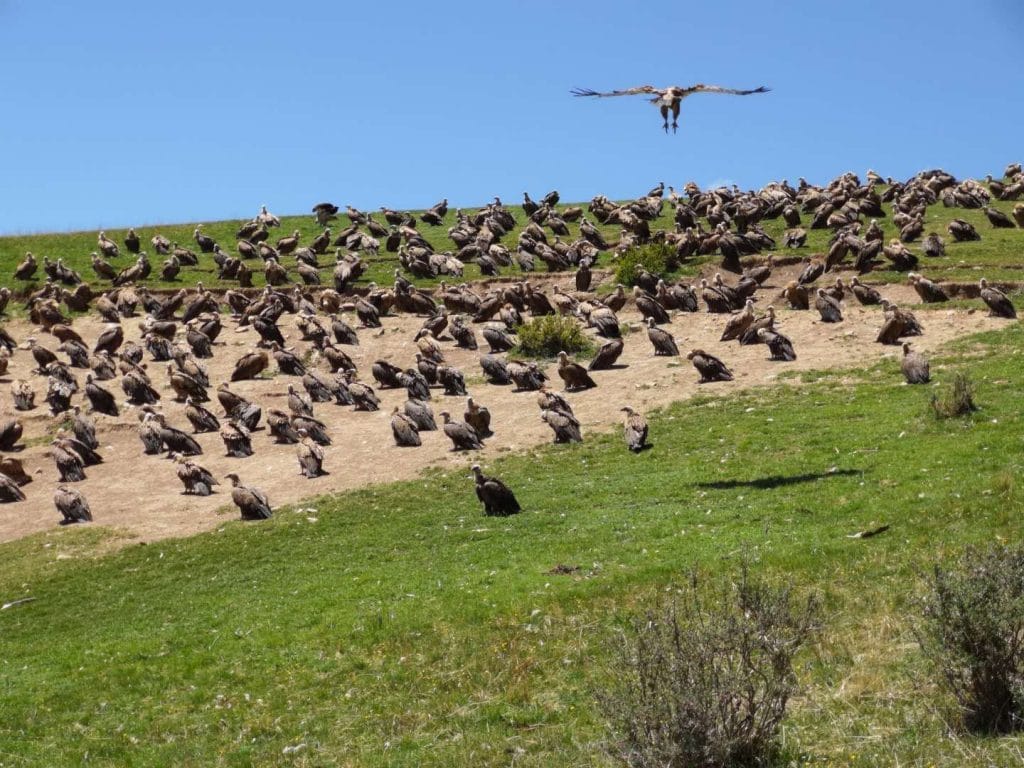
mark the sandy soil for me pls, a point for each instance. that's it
(142, 494)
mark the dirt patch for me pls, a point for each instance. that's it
(142, 495)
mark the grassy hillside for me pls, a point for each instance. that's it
(397, 626)
(997, 255)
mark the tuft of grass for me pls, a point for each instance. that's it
(957, 401)
(546, 336)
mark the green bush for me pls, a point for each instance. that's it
(972, 632)
(704, 682)
(656, 258)
(958, 401)
(548, 335)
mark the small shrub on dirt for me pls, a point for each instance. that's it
(958, 400)
(703, 682)
(656, 258)
(548, 335)
(972, 632)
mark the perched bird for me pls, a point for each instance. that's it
(709, 366)
(828, 308)
(251, 502)
(310, 456)
(573, 374)
(462, 435)
(496, 497)
(669, 99)
(404, 429)
(606, 355)
(999, 303)
(780, 346)
(478, 417)
(72, 505)
(915, 366)
(929, 291)
(565, 426)
(634, 430)
(662, 341)
(198, 480)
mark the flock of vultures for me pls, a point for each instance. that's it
(86, 380)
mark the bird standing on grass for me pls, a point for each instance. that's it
(497, 499)
(669, 98)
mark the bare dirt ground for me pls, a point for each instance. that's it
(142, 495)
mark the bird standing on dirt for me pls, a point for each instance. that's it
(669, 98)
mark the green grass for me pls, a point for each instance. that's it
(996, 256)
(397, 626)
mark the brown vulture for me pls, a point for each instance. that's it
(999, 303)
(497, 499)
(251, 502)
(709, 366)
(573, 374)
(915, 366)
(634, 430)
(72, 505)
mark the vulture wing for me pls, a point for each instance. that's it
(640, 89)
(701, 88)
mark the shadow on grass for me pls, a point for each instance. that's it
(776, 481)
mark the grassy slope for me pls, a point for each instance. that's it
(403, 628)
(997, 255)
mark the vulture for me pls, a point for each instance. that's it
(828, 308)
(298, 403)
(552, 401)
(386, 374)
(718, 302)
(815, 268)
(527, 375)
(175, 440)
(237, 440)
(898, 322)
(797, 295)
(101, 400)
(998, 219)
(999, 303)
(315, 428)
(750, 336)
(649, 306)
(933, 245)
(780, 346)
(463, 334)
(69, 463)
(915, 367)
(23, 394)
(72, 505)
(107, 246)
(405, 429)
(9, 490)
(421, 415)
(137, 387)
(109, 340)
(251, 502)
(668, 99)
(709, 367)
(865, 294)
(415, 383)
(14, 469)
(343, 332)
(565, 426)
(185, 386)
(573, 374)
(363, 396)
(962, 231)
(497, 499)
(738, 324)
(202, 419)
(497, 339)
(495, 370)
(281, 427)
(462, 435)
(149, 434)
(662, 341)
(452, 380)
(27, 268)
(250, 365)
(606, 355)
(198, 481)
(929, 291)
(310, 456)
(84, 429)
(10, 434)
(478, 417)
(634, 430)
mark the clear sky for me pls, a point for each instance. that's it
(131, 113)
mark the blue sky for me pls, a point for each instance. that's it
(118, 114)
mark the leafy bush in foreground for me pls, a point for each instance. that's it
(704, 681)
(548, 335)
(973, 633)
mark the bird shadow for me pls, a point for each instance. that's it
(777, 481)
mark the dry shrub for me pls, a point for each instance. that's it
(972, 632)
(704, 681)
(958, 401)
